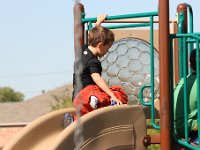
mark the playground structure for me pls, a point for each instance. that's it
(124, 127)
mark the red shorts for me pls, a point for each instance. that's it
(92, 97)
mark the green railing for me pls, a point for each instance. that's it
(190, 28)
(125, 16)
(181, 19)
(150, 24)
(186, 39)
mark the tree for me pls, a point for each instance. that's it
(7, 94)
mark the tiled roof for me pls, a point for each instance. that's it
(28, 110)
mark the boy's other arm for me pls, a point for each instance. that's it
(101, 18)
(103, 85)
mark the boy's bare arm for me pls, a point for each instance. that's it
(103, 85)
(101, 18)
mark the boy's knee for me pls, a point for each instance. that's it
(94, 101)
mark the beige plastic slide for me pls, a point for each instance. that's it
(39, 134)
(110, 128)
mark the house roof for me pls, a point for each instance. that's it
(28, 110)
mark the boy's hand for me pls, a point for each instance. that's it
(101, 18)
(113, 98)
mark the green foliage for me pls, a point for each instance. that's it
(7, 94)
(62, 102)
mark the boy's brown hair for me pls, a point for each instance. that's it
(100, 34)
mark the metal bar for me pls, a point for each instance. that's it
(185, 89)
(182, 142)
(155, 139)
(182, 9)
(180, 35)
(175, 58)
(186, 144)
(172, 78)
(125, 16)
(191, 17)
(90, 25)
(191, 40)
(165, 128)
(128, 26)
(190, 48)
(182, 17)
(152, 74)
(180, 45)
(185, 141)
(198, 84)
(141, 95)
(78, 29)
(131, 20)
(135, 20)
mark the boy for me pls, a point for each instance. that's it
(192, 102)
(93, 91)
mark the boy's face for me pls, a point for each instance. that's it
(103, 49)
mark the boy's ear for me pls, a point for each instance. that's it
(100, 44)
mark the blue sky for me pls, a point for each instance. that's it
(36, 38)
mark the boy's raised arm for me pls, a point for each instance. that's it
(101, 18)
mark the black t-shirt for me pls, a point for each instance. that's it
(83, 69)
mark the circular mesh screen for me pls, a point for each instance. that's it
(128, 64)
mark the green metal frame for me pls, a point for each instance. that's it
(151, 16)
(190, 28)
(184, 40)
(186, 44)
(180, 30)
(187, 38)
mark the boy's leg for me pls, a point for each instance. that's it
(94, 102)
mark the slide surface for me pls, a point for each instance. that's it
(113, 127)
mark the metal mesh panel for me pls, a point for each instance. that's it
(128, 64)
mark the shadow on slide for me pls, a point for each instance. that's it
(110, 128)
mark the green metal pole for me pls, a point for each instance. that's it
(198, 84)
(125, 16)
(152, 74)
(191, 46)
(182, 28)
(180, 44)
(185, 89)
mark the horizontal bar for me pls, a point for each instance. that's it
(135, 20)
(191, 40)
(188, 145)
(132, 20)
(184, 142)
(137, 15)
(155, 139)
(179, 35)
(128, 26)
